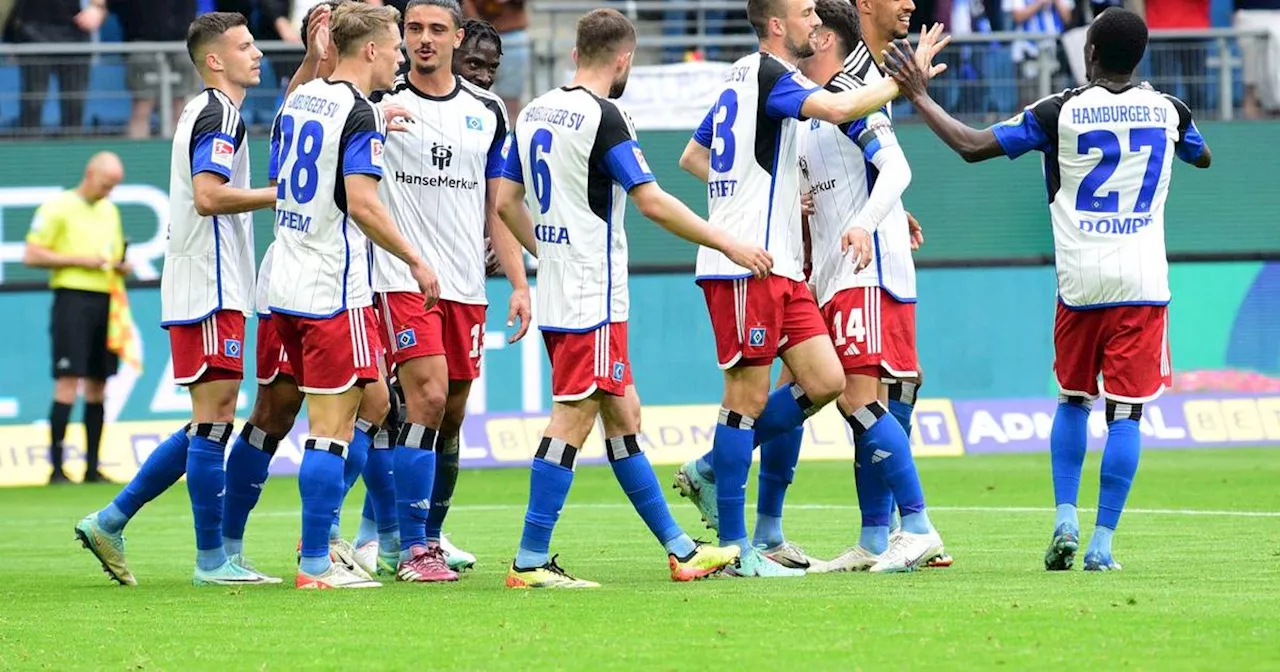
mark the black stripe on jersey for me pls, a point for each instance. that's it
(494, 105)
(767, 128)
(613, 129)
(1184, 114)
(1047, 111)
(219, 115)
(859, 61)
(362, 117)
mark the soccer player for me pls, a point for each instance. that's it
(330, 160)
(1108, 148)
(206, 292)
(579, 153)
(442, 183)
(479, 55)
(857, 174)
(746, 152)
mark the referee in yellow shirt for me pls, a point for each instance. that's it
(77, 235)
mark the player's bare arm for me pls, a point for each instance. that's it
(513, 214)
(372, 217)
(1204, 160)
(971, 144)
(317, 48)
(696, 160)
(668, 212)
(510, 258)
(838, 108)
(213, 196)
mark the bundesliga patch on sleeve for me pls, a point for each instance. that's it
(644, 165)
(803, 81)
(375, 152)
(506, 146)
(223, 152)
(1015, 120)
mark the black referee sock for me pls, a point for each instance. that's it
(93, 418)
(59, 415)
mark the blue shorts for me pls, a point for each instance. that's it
(517, 55)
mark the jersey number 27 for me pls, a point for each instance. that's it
(1088, 199)
(304, 178)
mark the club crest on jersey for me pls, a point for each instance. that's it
(375, 152)
(755, 337)
(231, 348)
(406, 339)
(222, 152)
(644, 165)
(475, 123)
(618, 370)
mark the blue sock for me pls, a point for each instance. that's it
(550, 476)
(732, 446)
(380, 493)
(1068, 441)
(902, 403)
(415, 470)
(706, 466)
(357, 456)
(442, 490)
(1119, 465)
(778, 458)
(874, 499)
(163, 467)
(368, 530)
(320, 484)
(890, 456)
(632, 469)
(206, 480)
(1066, 515)
(247, 467)
(788, 407)
(1100, 542)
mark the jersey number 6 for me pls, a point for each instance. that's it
(303, 179)
(539, 147)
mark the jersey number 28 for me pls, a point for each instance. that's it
(1088, 199)
(304, 178)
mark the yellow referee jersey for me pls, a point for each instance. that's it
(67, 224)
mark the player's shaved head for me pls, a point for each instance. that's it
(1116, 41)
(205, 31)
(760, 11)
(355, 24)
(839, 17)
(103, 172)
(602, 33)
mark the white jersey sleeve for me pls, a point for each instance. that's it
(320, 263)
(577, 156)
(208, 263)
(437, 179)
(1108, 157)
(753, 186)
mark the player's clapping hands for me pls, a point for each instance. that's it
(318, 31)
(428, 284)
(754, 259)
(913, 68)
(859, 241)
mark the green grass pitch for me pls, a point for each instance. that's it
(1200, 588)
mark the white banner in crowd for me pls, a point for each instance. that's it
(671, 97)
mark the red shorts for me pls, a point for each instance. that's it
(273, 362)
(583, 363)
(209, 350)
(874, 333)
(452, 329)
(756, 320)
(330, 355)
(1127, 345)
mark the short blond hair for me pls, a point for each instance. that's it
(354, 24)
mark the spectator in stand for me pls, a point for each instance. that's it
(969, 62)
(155, 21)
(1178, 66)
(54, 21)
(1042, 17)
(1261, 58)
(511, 20)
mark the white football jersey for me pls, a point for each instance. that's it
(320, 264)
(437, 176)
(577, 156)
(753, 186)
(1108, 159)
(208, 264)
(263, 304)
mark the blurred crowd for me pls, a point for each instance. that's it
(71, 21)
(988, 79)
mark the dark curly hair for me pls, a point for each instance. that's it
(1119, 38)
(475, 31)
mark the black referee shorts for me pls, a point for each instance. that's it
(79, 332)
